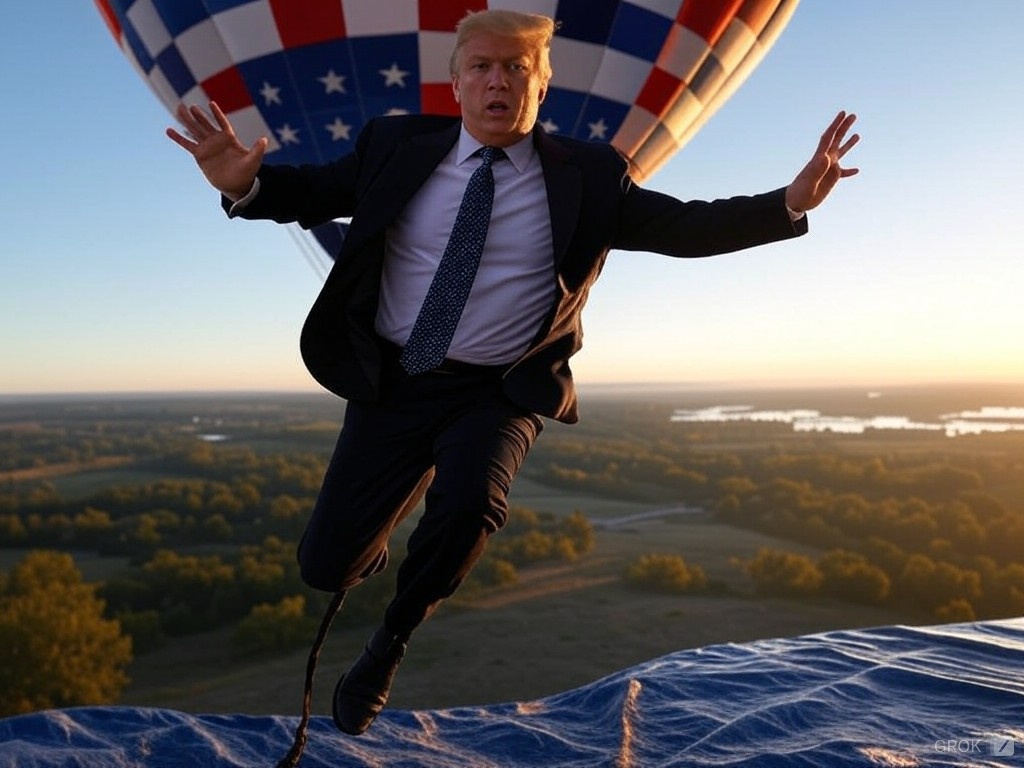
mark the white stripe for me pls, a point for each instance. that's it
(575, 63)
(435, 50)
(150, 26)
(734, 44)
(620, 76)
(683, 113)
(203, 50)
(163, 89)
(249, 31)
(249, 125)
(683, 52)
(634, 130)
(667, 8)
(365, 18)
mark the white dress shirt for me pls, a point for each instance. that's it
(514, 285)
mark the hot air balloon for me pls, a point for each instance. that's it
(644, 75)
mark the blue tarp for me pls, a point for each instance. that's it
(891, 696)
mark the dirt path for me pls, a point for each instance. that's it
(650, 514)
(544, 582)
(63, 468)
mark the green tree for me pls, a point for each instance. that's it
(665, 573)
(784, 574)
(56, 648)
(280, 626)
(579, 530)
(850, 576)
(494, 572)
(956, 610)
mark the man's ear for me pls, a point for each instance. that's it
(455, 88)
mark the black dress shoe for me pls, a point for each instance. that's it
(363, 691)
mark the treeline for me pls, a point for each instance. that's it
(957, 559)
(633, 468)
(176, 593)
(41, 433)
(935, 532)
(212, 543)
(65, 643)
(222, 494)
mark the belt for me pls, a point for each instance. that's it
(448, 366)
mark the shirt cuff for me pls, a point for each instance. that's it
(239, 204)
(793, 215)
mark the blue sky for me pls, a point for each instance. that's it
(119, 272)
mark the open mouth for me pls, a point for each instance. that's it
(497, 108)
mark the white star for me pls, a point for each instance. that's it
(288, 134)
(598, 129)
(550, 126)
(333, 82)
(394, 76)
(339, 130)
(270, 94)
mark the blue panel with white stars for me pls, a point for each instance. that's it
(600, 119)
(388, 79)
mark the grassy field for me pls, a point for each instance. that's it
(93, 567)
(559, 628)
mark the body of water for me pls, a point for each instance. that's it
(970, 422)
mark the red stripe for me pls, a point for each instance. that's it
(437, 99)
(708, 19)
(659, 92)
(108, 16)
(443, 15)
(756, 13)
(228, 89)
(309, 21)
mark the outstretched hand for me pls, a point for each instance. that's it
(813, 184)
(226, 163)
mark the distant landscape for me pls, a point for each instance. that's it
(634, 533)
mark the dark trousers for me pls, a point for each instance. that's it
(453, 437)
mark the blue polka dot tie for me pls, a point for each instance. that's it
(435, 325)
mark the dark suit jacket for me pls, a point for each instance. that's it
(594, 207)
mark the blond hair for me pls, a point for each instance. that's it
(532, 29)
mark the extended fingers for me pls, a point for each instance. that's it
(198, 124)
(202, 121)
(833, 136)
(829, 136)
(221, 118)
(849, 144)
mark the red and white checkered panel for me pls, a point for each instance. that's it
(641, 74)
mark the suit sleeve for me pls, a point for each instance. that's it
(307, 194)
(660, 223)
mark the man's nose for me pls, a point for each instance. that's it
(497, 78)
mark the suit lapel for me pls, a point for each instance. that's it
(400, 177)
(564, 188)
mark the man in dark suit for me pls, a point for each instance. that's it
(457, 428)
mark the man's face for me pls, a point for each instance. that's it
(499, 87)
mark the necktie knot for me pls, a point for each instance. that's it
(490, 154)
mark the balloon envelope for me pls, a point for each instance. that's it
(643, 75)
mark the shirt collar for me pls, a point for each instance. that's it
(519, 153)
